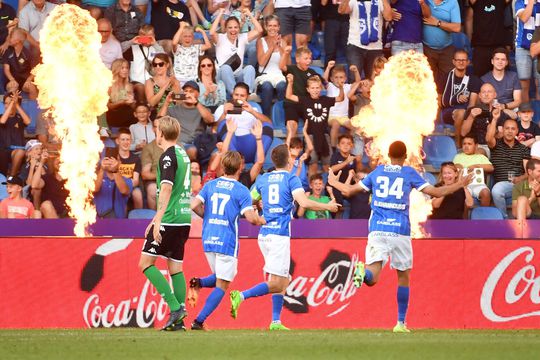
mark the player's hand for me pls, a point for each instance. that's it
(262, 220)
(156, 234)
(333, 178)
(396, 16)
(333, 206)
(148, 228)
(466, 180)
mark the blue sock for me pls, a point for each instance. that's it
(211, 304)
(258, 290)
(209, 281)
(402, 302)
(368, 278)
(277, 305)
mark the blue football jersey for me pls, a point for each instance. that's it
(276, 189)
(224, 201)
(391, 186)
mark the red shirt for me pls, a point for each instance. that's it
(19, 208)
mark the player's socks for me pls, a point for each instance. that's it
(179, 287)
(403, 302)
(277, 305)
(368, 277)
(157, 279)
(258, 290)
(209, 281)
(211, 304)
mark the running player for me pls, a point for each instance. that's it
(389, 226)
(169, 230)
(278, 190)
(220, 203)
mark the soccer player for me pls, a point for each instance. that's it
(389, 226)
(219, 203)
(167, 233)
(278, 190)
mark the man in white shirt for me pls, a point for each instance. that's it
(110, 47)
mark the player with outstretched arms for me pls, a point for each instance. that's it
(220, 203)
(278, 190)
(168, 232)
(389, 225)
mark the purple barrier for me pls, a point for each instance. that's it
(449, 229)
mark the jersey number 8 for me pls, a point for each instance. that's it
(273, 194)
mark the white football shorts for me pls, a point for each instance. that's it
(224, 266)
(382, 245)
(276, 250)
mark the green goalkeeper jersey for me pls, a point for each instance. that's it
(175, 168)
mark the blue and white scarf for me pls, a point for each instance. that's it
(368, 34)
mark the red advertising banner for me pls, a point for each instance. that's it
(87, 283)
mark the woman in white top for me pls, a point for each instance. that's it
(230, 48)
(270, 48)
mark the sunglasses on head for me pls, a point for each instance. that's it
(158, 64)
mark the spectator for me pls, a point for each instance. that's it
(121, 96)
(31, 19)
(336, 29)
(407, 25)
(469, 160)
(270, 49)
(149, 161)
(528, 19)
(212, 91)
(112, 190)
(191, 115)
(526, 194)
(52, 189)
(528, 131)
(299, 156)
(317, 186)
(365, 31)
(215, 6)
(186, 52)
(17, 64)
(167, 16)
(161, 83)
(445, 19)
(230, 48)
(488, 32)
(110, 47)
(244, 116)
(15, 206)
(126, 20)
(460, 92)
(141, 54)
(315, 111)
(509, 158)
(454, 205)
(130, 166)
(8, 22)
(35, 165)
(12, 124)
(245, 27)
(506, 83)
(295, 17)
(141, 132)
(196, 178)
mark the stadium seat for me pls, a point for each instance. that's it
(486, 213)
(438, 149)
(278, 117)
(268, 159)
(3, 188)
(318, 70)
(31, 108)
(430, 178)
(141, 214)
(536, 107)
(461, 41)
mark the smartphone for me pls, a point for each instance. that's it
(144, 40)
(179, 97)
(111, 152)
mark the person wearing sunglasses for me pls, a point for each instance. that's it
(161, 83)
(213, 93)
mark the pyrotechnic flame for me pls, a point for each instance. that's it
(73, 85)
(403, 107)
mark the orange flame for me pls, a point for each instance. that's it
(403, 107)
(73, 85)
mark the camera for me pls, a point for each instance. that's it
(237, 107)
(179, 97)
(485, 114)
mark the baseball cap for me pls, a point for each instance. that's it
(30, 144)
(14, 180)
(527, 106)
(192, 84)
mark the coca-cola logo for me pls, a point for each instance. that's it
(332, 289)
(523, 283)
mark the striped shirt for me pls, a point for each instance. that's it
(507, 159)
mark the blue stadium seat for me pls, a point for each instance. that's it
(438, 149)
(486, 213)
(536, 107)
(141, 214)
(461, 41)
(268, 159)
(256, 106)
(319, 70)
(3, 188)
(429, 177)
(31, 108)
(278, 116)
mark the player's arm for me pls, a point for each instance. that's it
(447, 189)
(197, 207)
(302, 200)
(346, 189)
(253, 217)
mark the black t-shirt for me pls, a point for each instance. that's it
(7, 13)
(25, 170)
(337, 158)
(455, 87)
(56, 193)
(330, 11)
(19, 66)
(452, 206)
(526, 134)
(166, 18)
(315, 112)
(129, 165)
(480, 123)
(488, 23)
(12, 132)
(300, 79)
(245, 179)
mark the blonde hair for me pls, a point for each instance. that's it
(169, 127)
(118, 83)
(230, 162)
(314, 79)
(302, 50)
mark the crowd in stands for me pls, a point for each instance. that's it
(246, 75)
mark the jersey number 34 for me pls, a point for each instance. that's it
(385, 188)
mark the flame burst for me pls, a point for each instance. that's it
(73, 85)
(403, 107)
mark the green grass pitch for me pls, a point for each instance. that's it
(112, 344)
